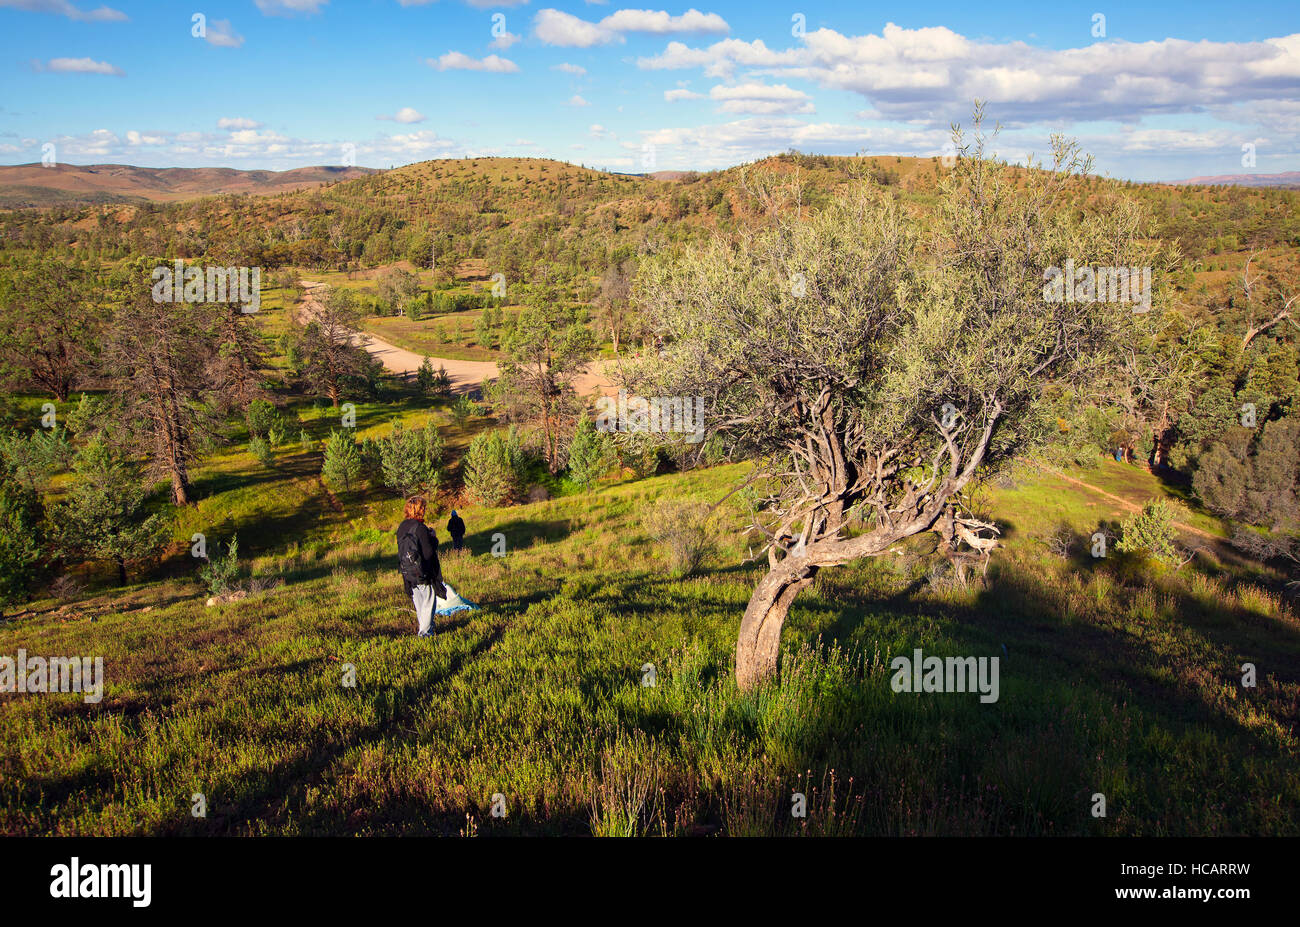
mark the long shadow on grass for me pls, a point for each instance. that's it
(1013, 610)
(519, 534)
(269, 792)
(1073, 686)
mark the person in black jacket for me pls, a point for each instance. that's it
(417, 560)
(456, 528)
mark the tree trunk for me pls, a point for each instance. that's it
(759, 643)
(121, 571)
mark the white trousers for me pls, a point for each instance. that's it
(423, 599)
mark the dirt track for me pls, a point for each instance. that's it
(466, 376)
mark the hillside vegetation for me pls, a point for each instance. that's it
(206, 498)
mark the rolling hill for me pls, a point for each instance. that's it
(1287, 180)
(28, 185)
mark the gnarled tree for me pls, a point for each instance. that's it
(876, 362)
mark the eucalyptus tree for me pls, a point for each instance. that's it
(877, 361)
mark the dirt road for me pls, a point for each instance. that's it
(466, 376)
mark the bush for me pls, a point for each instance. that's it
(425, 375)
(262, 417)
(104, 515)
(682, 527)
(492, 469)
(461, 410)
(219, 572)
(342, 465)
(20, 539)
(1253, 477)
(1151, 531)
(261, 449)
(410, 461)
(591, 454)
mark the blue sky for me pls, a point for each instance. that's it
(1169, 91)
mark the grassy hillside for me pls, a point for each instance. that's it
(1117, 677)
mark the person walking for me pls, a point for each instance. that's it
(417, 561)
(456, 528)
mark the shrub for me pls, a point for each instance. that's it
(20, 539)
(424, 377)
(342, 465)
(1253, 478)
(461, 410)
(591, 454)
(410, 460)
(1151, 531)
(492, 469)
(261, 417)
(219, 572)
(682, 528)
(261, 449)
(67, 588)
(104, 515)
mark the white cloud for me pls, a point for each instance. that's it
(251, 148)
(599, 131)
(237, 122)
(406, 115)
(221, 34)
(659, 22)
(575, 69)
(458, 61)
(933, 73)
(725, 144)
(102, 14)
(1137, 139)
(82, 66)
(576, 100)
(289, 7)
(556, 28)
(504, 41)
(761, 99)
(672, 96)
(564, 29)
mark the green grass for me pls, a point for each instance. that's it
(1117, 677)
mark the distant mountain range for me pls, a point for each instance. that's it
(24, 185)
(1287, 179)
(31, 185)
